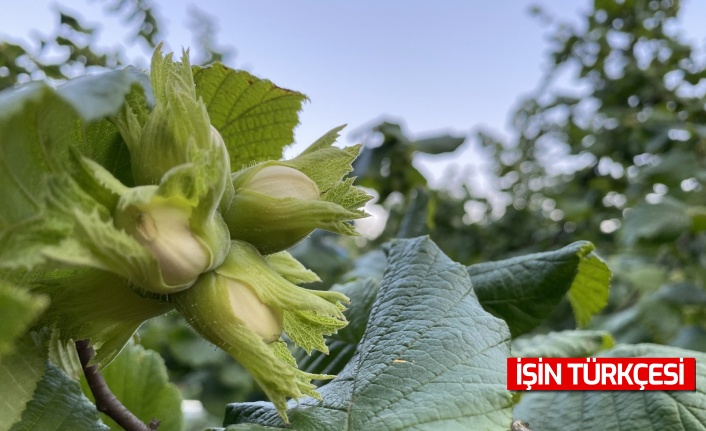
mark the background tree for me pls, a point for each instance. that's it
(631, 144)
(616, 157)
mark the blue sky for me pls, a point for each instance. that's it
(452, 65)
(436, 65)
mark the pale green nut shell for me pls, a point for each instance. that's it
(274, 207)
(162, 226)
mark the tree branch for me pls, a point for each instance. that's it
(106, 402)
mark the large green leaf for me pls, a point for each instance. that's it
(564, 344)
(138, 378)
(524, 290)
(255, 117)
(40, 131)
(431, 358)
(616, 410)
(19, 374)
(26, 127)
(59, 405)
(18, 309)
(544, 277)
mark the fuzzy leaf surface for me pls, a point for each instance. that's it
(59, 405)
(428, 339)
(255, 117)
(19, 374)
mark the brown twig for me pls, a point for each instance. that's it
(105, 400)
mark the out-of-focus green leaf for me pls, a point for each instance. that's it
(98, 96)
(59, 405)
(370, 265)
(41, 129)
(673, 167)
(322, 254)
(565, 344)
(692, 337)
(680, 294)
(190, 349)
(26, 126)
(439, 144)
(138, 378)
(19, 374)
(658, 316)
(662, 222)
(698, 218)
(107, 315)
(428, 339)
(641, 272)
(613, 410)
(388, 167)
(524, 290)
(416, 220)
(255, 117)
(18, 309)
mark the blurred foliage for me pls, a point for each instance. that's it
(632, 140)
(71, 48)
(388, 167)
(21, 63)
(617, 158)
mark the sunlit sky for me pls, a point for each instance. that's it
(452, 65)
